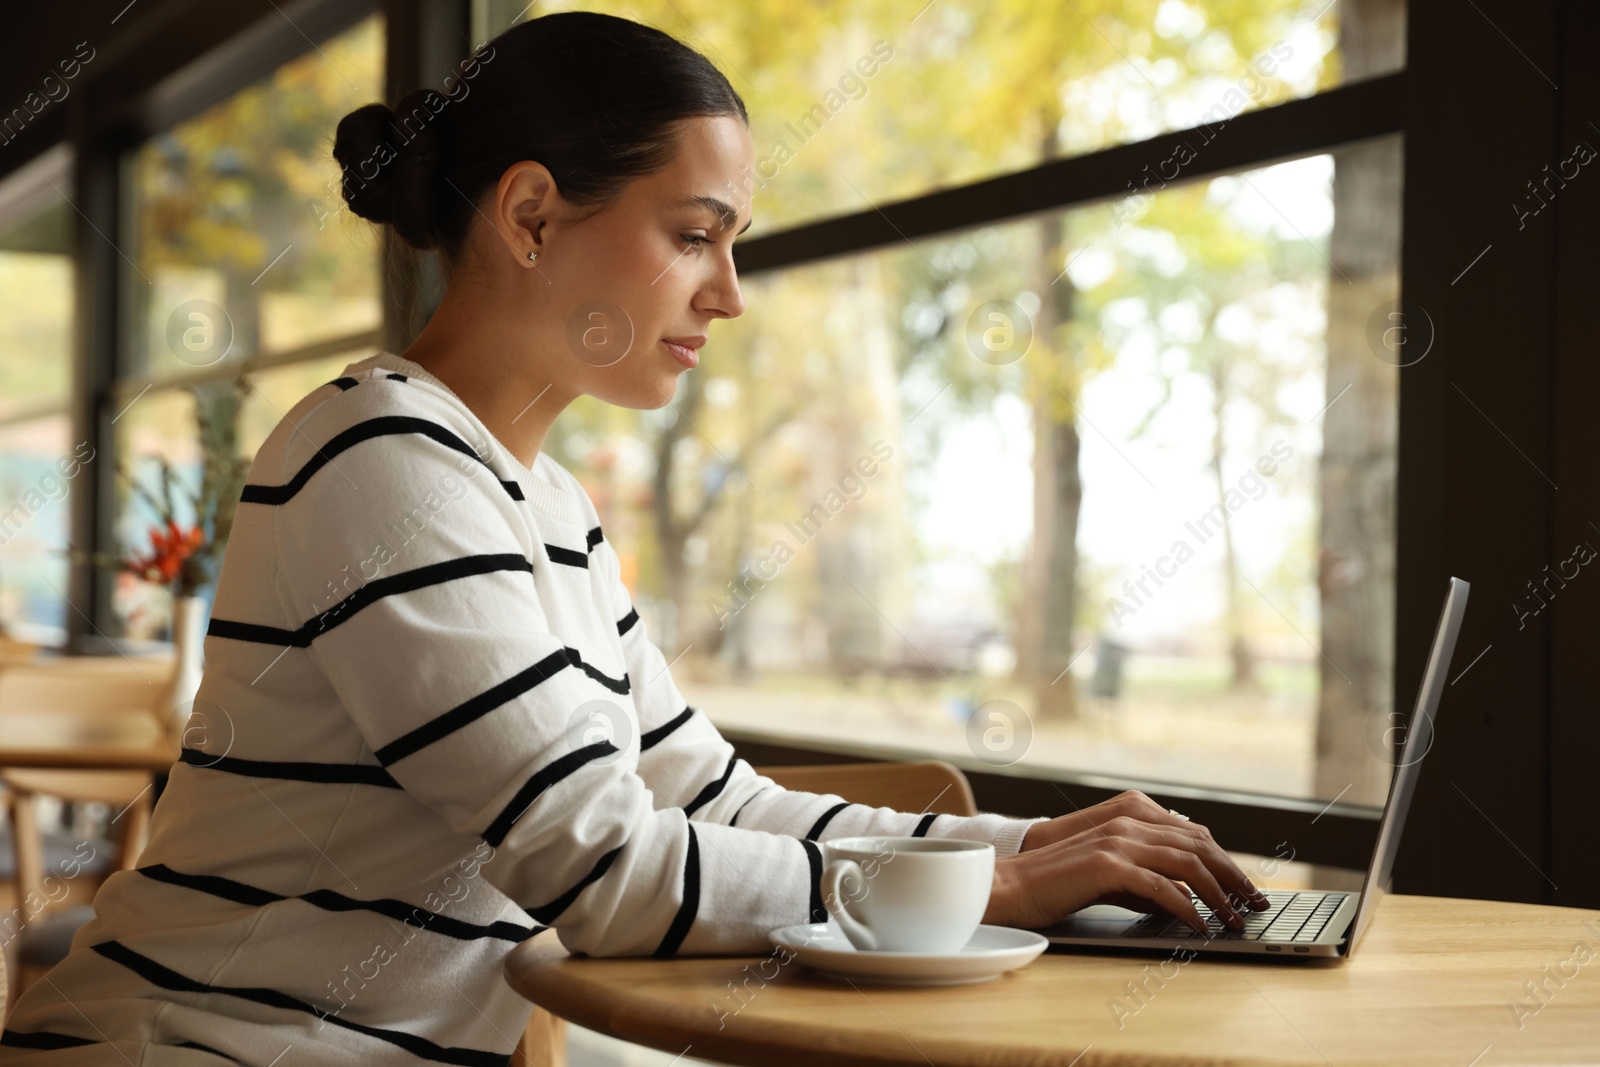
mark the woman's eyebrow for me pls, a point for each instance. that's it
(720, 208)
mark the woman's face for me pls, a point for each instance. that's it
(655, 264)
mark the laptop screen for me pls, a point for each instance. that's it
(1419, 739)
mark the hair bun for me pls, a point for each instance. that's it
(393, 161)
(358, 148)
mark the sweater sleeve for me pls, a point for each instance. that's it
(443, 656)
(687, 763)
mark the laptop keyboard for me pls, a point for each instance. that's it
(1292, 917)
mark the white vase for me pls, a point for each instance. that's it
(188, 641)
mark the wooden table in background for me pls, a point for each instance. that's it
(1435, 981)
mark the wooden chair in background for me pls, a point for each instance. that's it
(927, 786)
(108, 685)
(83, 684)
(54, 916)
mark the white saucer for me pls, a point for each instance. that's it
(991, 952)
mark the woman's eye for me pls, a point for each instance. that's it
(695, 239)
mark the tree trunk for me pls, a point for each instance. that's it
(850, 570)
(1050, 590)
(1356, 560)
(671, 535)
(733, 637)
(1243, 660)
(1058, 492)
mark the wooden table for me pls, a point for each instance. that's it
(1434, 981)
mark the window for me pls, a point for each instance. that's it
(851, 107)
(38, 469)
(38, 465)
(867, 432)
(1104, 489)
(241, 243)
(244, 261)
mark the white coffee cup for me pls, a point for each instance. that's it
(907, 894)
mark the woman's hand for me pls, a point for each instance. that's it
(1128, 851)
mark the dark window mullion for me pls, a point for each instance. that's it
(1286, 131)
(96, 196)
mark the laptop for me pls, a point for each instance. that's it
(1299, 923)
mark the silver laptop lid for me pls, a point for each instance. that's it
(1419, 738)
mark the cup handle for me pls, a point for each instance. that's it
(833, 899)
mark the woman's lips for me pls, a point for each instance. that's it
(687, 356)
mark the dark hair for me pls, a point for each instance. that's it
(590, 96)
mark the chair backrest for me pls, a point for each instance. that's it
(84, 683)
(926, 786)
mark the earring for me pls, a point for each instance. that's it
(532, 256)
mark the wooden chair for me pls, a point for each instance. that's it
(115, 688)
(928, 786)
(52, 920)
(102, 684)
(95, 684)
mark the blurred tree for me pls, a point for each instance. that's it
(1225, 270)
(1010, 96)
(240, 205)
(959, 90)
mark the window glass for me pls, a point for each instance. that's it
(36, 307)
(39, 467)
(158, 425)
(242, 246)
(39, 470)
(241, 242)
(854, 104)
(1107, 490)
(274, 392)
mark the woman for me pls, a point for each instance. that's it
(394, 772)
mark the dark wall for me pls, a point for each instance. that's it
(40, 38)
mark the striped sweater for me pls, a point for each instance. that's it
(431, 725)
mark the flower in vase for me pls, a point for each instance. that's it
(170, 547)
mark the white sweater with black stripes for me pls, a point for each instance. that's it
(431, 725)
